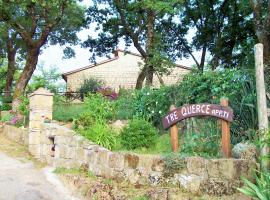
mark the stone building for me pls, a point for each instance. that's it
(119, 72)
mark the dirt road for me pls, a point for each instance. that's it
(20, 179)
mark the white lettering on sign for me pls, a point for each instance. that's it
(220, 113)
(167, 118)
(184, 111)
(207, 109)
(202, 108)
(175, 115)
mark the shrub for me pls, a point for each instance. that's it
(101, 134)
(138, 133)
(152, 104)
(84, 121)
(108, 93)
(238, 86)
(90, 85)
(123, 105)
(24, 105)
(100, 108)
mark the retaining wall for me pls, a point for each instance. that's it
(19, 135)
(193, 174)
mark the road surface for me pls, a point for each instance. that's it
(23, 181)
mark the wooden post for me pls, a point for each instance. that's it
(261, 103)
(174, 134)
(226, 135)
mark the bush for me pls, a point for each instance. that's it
(123, 104)
(238, 86)
(108, 93)
(152, 104)
(101, 134)
(90, 85)
(84, 121)
(24, 105)
(100, 108)
(138, 133)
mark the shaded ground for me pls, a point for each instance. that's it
(23, 179)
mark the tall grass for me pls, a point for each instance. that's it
(66, 112)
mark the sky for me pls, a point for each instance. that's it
(53, 55)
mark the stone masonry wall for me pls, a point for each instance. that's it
(197, 175)
(19, 135)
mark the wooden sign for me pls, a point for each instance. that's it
(204, 109)
(221, 111)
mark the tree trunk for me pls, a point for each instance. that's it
(30, 66)
(140, 79)
(11, 51)
(201, 67)
(149, 76)
(150, 47)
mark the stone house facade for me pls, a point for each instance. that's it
(119, 72)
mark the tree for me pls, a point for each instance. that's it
(39, 23)
(47, 78)
(136, 22)
(223, 28)
(261, 19)
(11, 43)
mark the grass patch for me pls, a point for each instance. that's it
(74, 171)
(162, 146)
(67, 112)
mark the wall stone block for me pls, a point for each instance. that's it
(197, 166)
(116, 161)
(131, 160)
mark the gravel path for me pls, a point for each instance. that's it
(23, 181)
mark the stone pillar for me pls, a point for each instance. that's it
(41, 105)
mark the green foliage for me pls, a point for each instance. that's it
(237, 85)
(100, 108)
(137, 134)
(202, 140)
(90, 85)
(152, 104)
(123, 104)
(258, 190)
(144, 197)
(5, 103)
(226, 31)
(130, 21)
(84, 121)
(66, 112)
(24, 105)
(7, 117)
(46, 78)
(101, 134)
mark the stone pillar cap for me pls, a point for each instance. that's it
(41, 91)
